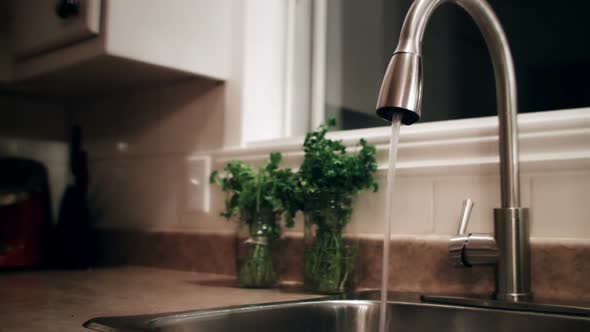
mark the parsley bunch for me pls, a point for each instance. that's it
(259, 196)
(329, 170)
(328, 179)
(252, 192)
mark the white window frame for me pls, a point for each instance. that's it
(268, 94)
(549, 140)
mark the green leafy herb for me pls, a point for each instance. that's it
(252, 190)
(328, 179)
(259, 197)
(327, 168)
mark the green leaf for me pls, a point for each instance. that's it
(328, 168)
(258, 195)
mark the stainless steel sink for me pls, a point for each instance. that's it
(357, 312)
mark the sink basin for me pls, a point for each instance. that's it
(352, 313)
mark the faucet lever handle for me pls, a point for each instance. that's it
(464, 218)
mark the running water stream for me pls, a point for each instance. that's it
(395, 127)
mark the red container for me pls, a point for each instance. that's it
(25, 218)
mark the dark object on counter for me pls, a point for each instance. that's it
(25, 213)
(73, 237)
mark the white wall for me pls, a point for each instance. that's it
(268, 89)
(262, 99)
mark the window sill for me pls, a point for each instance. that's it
(553, 140)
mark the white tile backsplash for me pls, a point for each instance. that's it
(557, 202)
(135, 192)
(59, 177)
(560, 205)
(147, 192)
(412, 208)
(45, 151)
(449, 193)
(138, 144)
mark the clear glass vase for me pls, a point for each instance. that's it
(257, 262)
(329, 258)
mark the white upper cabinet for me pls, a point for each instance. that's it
(96, 46)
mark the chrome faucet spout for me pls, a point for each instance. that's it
(402, 86)
(401, 91)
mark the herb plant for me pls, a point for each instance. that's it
(328, 168)
(328, 180)
(258, 197)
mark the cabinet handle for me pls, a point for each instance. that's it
(67, 8)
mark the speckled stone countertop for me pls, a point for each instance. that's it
(63, 300)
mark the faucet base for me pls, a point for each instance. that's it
(520, 297)
(513, 276)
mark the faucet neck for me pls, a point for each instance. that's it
(411, 42)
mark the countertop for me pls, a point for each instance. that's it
(63, 300)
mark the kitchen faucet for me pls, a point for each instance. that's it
(401, 92)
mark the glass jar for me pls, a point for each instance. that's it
(257, 262)
(329, 258)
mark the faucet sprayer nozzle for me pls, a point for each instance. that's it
(401, 90)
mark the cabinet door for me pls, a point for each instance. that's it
(37, 26)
